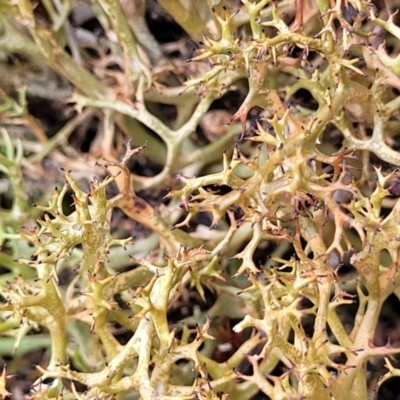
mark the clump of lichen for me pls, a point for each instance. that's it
(264, 189)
